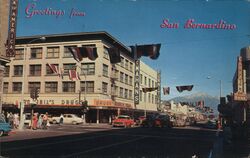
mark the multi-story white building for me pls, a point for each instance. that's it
(109, 87)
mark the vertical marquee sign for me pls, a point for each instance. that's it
(10, 45)
(137, 82)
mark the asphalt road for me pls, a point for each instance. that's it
(105, 141)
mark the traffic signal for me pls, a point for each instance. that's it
(84, 106)
(34, 93)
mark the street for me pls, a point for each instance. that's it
(70, 141)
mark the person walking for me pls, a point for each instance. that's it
(61, 120)
(34, 121)
(16, 121)
(40, 121)
(45, 121)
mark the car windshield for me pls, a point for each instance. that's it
(123, 117)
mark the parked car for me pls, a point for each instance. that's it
(148, 121)
(162, 121)
(211, 125)
(139, 120)
(123, 121)
(67, 119)
(4, 127)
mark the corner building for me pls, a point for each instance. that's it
(109, 87)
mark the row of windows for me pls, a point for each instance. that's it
(52, 87)
(147, 81)
(151, 98)
(125, 63)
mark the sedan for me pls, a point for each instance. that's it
(4, 127)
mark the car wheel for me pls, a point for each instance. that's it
(1, 133)
(54, 122)
(74, 122)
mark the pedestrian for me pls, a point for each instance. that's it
(16, 121)
(61, 120)
(40, 121)
(45, 121)
(34, 121)
(11, 120)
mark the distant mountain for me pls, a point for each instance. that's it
(210, 101)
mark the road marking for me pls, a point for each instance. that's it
(53, 143)
(103, 147)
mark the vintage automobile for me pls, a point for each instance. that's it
(67, 119)
(139, 120)
(4, 127)
(123, 121)
(162, 121)
(148, 121)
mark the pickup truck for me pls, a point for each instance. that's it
(67, 119)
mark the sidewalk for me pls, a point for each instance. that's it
(235, 149)
(25, 134)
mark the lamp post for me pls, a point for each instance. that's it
(85, 92)
(220, 82)
(22, 103)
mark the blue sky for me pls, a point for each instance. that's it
(187, 56)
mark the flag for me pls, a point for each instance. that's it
(152, 51)
(54, 69)
(89, 52)
(114, 55)
(183, 88)
(166, 90)
(75, 51)
(149, 89)
(73, 75)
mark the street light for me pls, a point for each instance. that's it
(209, 77)
(23, 81)
(85, 92)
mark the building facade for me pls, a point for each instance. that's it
(108, 88)
(4, 22)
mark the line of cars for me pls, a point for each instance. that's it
(156, 120)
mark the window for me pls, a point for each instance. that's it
(17, 87)
(141, 78)
(140, 95)
(126, 64)
(18, 70)
(130, 94)
(152, 99)
(153, 83)
(88, 68)
(126, 94)
(145, 81)
(67, 67)
(53, 52)
(105, 53)
(34, 85)
(104, 87)
(131, 67)
(149, 82)
(122, 62)
(51, 87)
(5, 87)
(126, 78)
(121, 77)
(36, 53)
(145, 97)
(89, 86)
(67, 53)
(149, 97)
(130, 80)
(68, 86)
(156, 100)
(121, 92)
(105, 70)
(48, 69)
(19, 54)
(35, 70)
(6, 71)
